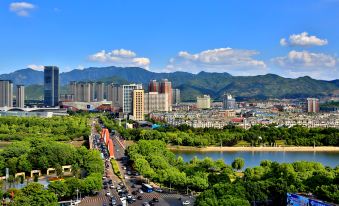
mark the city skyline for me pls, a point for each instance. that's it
(241, 38)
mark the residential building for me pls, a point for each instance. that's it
(138, 105)
(204, 102)
(313, 105)
(20, 96)
(166, 88)
(100, 91)
(175, 96)
(155, 102)
(6, 93)
(153, 86)
(228, 101)
(51, 86)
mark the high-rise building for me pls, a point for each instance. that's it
(155, 102)
(153, 86)
(92, 89)
(138, 104)
(204, 102)
(313, 105)
(20, 96)
(228, 101)
(6, 93)
(51, 86)
(166, 88)
(123, 97)
(175, 96)
(73, 89)
(100, 91)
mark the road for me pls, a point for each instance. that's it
(129, 181)
(165, 199)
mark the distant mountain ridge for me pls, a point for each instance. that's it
(191, 85)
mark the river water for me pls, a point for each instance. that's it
(254, 158)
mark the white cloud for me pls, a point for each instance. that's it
(120, 57)
(303, 39)
(36, 67)
(21, 8)
(234, 61)
(301, 63)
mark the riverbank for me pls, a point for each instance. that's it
(255, 149)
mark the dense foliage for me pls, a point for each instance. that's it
(231, 135)
(264, 184)
(34, 194)
(55, 128)
(87, 166)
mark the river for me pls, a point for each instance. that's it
(254, 158)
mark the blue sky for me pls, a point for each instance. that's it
(289, 38)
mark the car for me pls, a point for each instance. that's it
(139, 197)
(105, 187)
(104, 204)
(151, 203)
(104, 177)
(155, 199)
(129, 196)
(133, 186)
(119, 190)
(158, 190)
(126, 177)
(186, 202)
(113, 201)
(129, 172)
(110, 181)
(146, 204)
(140, 191)
(108, 193)
(134, 193)
(112, 186)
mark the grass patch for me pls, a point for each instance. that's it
(242, 143)
(115, 167)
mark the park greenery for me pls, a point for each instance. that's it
(41, 154)
(221, 184)
(55, 128)
(231, 135)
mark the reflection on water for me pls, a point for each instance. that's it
(254, 158)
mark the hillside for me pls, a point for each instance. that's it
(191, 85)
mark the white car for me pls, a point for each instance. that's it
(108, 194)
(129, 196)
(140, 191)
(112, 186)
(186, 202)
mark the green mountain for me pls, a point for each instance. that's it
(191, 85)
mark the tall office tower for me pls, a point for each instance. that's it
(92, 91)
(175, 96)
(20, 96)
(204, 102)
(51, 86)
(155, 102)
(73, 90)
(153, 86)
(6, 93)
(228, 101)
(127, 97)
(138, 104)
(166, 88)
(313, 105)
(100, 91)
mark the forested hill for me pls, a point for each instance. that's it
(191, 85)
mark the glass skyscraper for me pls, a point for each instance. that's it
(51, 86)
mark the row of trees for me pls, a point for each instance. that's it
(54, 128)
(231, 135)
(221, 185)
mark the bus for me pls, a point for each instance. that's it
(147, 188)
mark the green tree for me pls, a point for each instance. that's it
(238, 163)
(35, 194)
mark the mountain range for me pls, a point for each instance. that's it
(191, 85)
